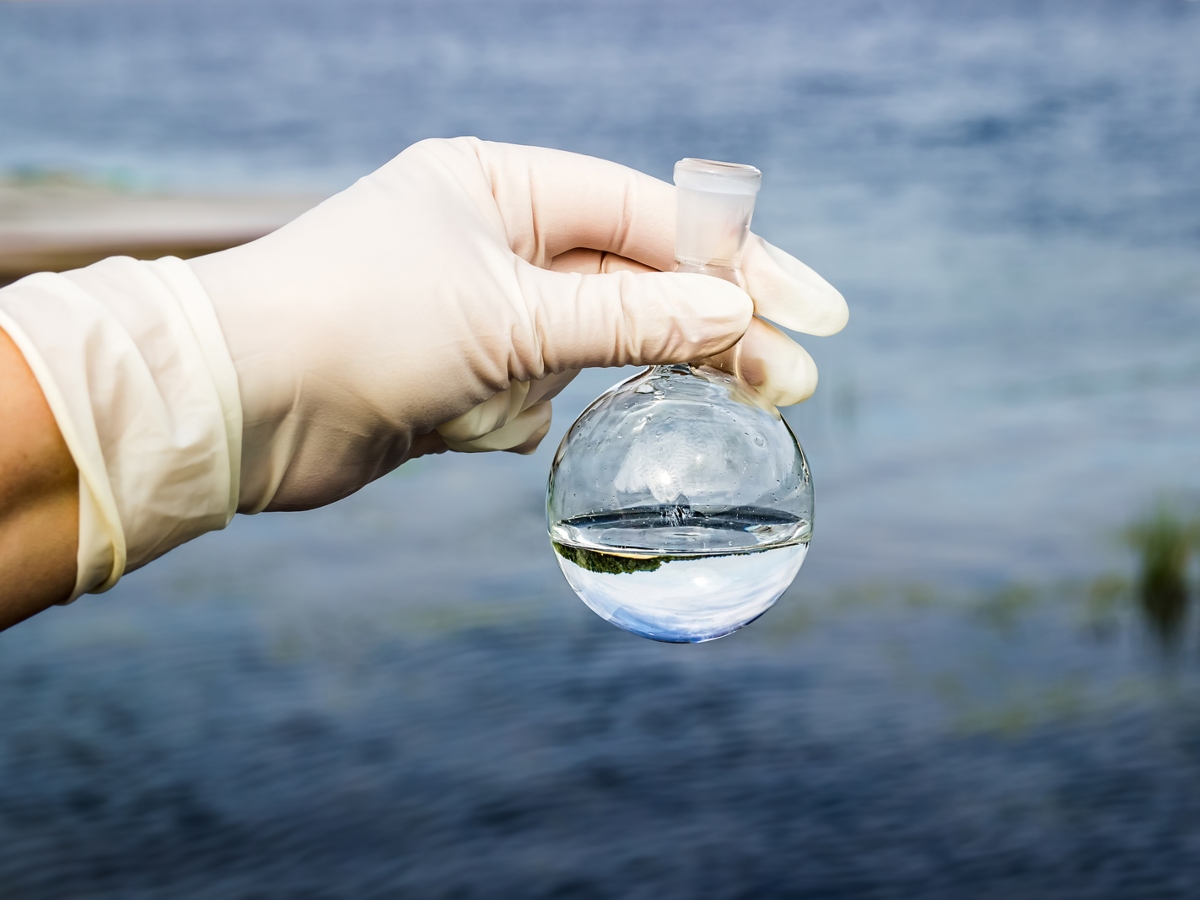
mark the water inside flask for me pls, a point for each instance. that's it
(680, 503)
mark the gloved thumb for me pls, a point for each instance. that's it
(628, 318)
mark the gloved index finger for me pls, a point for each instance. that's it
(789, 293)
(553, 201)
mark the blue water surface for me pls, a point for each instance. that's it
(399, 696)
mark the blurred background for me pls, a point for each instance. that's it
(983, 682)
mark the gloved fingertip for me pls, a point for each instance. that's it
(519, 435)
(797, 385)
(788, 292)
(779, 369)
(530, 444)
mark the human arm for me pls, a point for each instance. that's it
(39, 496)
(440, 301)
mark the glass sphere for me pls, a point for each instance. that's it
(680, 504)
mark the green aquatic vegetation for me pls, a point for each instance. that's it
(608, 563)
(1003, 609)
(1164, 543)
(612, 563)
(1021, 707)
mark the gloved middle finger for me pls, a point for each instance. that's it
(772, 363)
(787, 291)
(766, 358)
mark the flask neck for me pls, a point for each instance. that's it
(714, 203)
(730, 273)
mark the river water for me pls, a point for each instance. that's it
(400, 696)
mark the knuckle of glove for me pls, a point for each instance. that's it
(521, 435)
(489, 416)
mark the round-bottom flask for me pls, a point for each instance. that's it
(680, 504)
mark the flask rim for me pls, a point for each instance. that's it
(715, 176)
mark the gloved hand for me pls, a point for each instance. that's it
(439, 302)
(450, 294)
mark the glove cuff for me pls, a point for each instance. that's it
(135, 369)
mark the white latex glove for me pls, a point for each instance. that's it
(440, 301)
(458, 288)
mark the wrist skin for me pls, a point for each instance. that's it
(39, 497)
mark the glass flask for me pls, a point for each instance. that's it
(680, 504)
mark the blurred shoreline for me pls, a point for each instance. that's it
(58, 222)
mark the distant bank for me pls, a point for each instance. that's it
(54, 224)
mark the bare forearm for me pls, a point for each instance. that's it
(39, 496)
